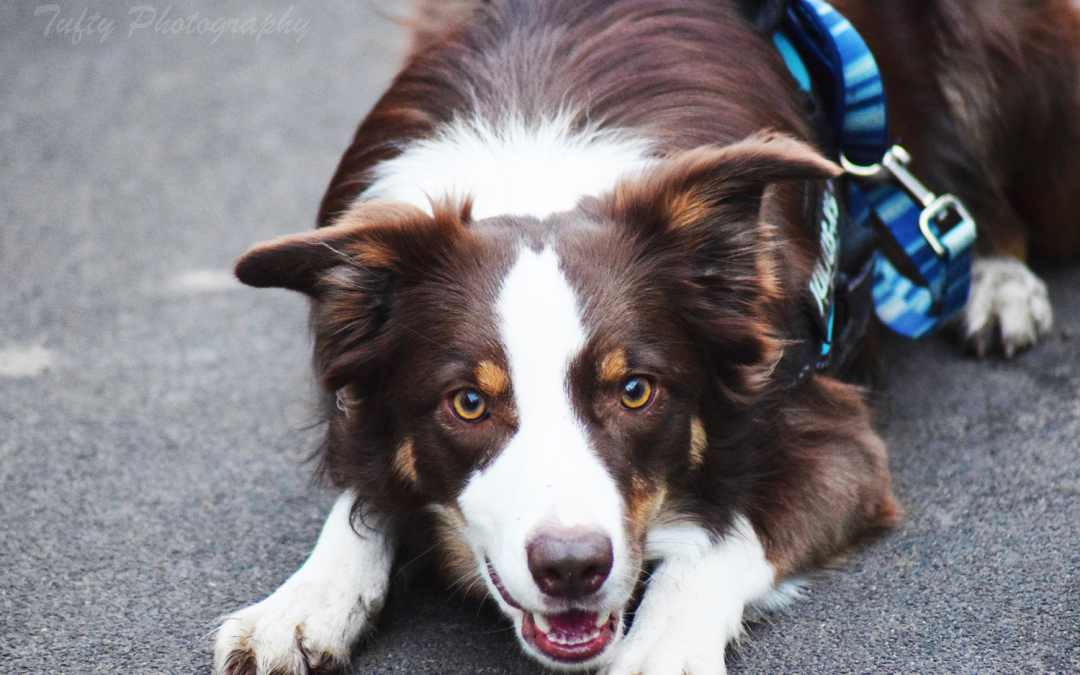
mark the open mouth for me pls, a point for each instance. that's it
(570, 637)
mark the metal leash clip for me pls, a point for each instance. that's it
(946, 212)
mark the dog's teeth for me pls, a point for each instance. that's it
(570, 642)
(601, 619)
(542, 624)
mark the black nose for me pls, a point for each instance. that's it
(569, 563)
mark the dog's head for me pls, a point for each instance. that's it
(550, 390)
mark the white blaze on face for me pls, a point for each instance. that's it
(548, 475)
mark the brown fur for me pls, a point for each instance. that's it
(837, 468)
(985, 95)
(668, 73)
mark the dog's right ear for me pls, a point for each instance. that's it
(351, 269)
(359, 238)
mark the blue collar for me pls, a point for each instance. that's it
(828, 58)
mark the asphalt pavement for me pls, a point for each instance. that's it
(155, 415)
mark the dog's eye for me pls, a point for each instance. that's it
(469, 405)
(636, 392)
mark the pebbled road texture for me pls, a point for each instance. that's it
(154, 415)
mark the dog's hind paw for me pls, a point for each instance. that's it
(1008, 308)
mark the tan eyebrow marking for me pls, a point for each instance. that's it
(613, 367)
(698, 441)
(491, 378)
(405, 461)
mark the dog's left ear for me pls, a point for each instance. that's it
(701, 191)
(764, 15)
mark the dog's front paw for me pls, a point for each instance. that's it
(1008, 307)
(299, 630)
(311, 623)
(694, 601)
(678, 649)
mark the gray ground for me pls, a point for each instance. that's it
(152, 412)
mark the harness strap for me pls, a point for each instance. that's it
(820, 45)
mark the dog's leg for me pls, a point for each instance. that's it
(832, 472)
(1008, 302)
(694, 602)
(311, 623)
(1008, 308)
(1016, 122)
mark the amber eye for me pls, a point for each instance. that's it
(469, 405)
(636, 392)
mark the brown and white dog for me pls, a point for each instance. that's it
(555, 274)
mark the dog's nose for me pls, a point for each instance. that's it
(569, 563)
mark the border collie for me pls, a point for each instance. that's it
(555, 276)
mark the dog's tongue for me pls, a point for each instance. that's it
(573, 626)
